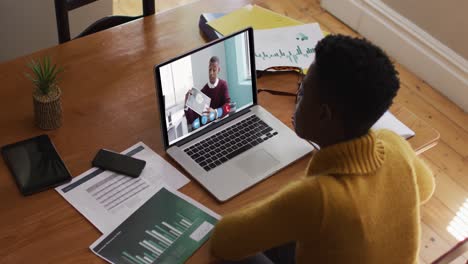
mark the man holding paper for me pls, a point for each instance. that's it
(217, 90)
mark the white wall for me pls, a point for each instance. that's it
(29, 25)
(428, 57)
(445, 20)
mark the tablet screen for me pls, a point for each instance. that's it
(35, 164)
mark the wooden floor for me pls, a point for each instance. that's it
(448, 160)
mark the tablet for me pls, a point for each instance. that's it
(35, 164)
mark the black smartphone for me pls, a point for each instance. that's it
(120, 163)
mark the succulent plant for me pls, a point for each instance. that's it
(44, 74)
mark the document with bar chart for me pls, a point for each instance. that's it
(107, 198)
(168, 228)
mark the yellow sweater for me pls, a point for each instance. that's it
(358, 203)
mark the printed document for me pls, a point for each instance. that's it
(106, 198)
(168, 228)
(287, 46)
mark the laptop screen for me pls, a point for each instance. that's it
(206, 85)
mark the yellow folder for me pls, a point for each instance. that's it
(251, 16)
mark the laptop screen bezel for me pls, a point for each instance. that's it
(159, 94)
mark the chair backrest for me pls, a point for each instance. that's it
(62, 7)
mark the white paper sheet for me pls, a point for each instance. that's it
(390, 122)
(286, 46)
(198, 101)
(106, 198)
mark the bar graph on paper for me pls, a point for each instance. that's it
(162, 236)
(166, 229)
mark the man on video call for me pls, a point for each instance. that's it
(217, 90)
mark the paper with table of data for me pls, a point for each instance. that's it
(106, 198)
(287, 46)
(168, 228)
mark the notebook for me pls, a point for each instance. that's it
(251, 16)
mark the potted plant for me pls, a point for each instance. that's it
(46, 94)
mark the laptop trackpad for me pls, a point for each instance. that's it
(257, 163)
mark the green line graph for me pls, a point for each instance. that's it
(292, 55)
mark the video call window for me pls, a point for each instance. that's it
(205, 86)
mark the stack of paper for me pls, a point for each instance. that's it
(279, 40)
(144, 219)
(251, 16)
(106, 198)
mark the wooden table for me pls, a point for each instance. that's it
(109, 101)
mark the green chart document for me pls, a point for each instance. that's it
(168, 228)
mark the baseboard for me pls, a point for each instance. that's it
(408, 44)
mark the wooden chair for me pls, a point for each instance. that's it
(62, 7)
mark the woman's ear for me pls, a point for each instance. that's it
(325, 112)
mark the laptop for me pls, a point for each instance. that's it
(233, 143)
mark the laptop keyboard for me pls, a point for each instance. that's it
(230, 142)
